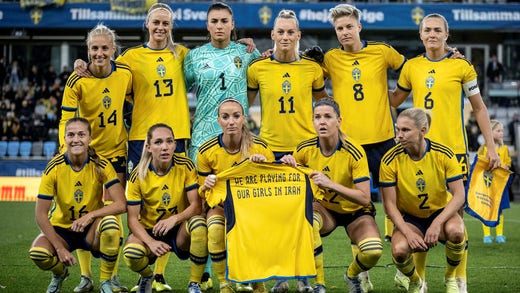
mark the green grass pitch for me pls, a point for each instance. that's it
(491, 267)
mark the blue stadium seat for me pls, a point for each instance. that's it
(37, 149)
(3, 148)
(12, 148)
(25, 148)
(49, 149)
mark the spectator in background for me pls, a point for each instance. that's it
(3, 70)
(64, 75)
(14, 74)
(50, 76)
(511, 127)
(494, 70)
(9, 92)
(3, 109)
(473, 132)
(3, 128)
(35, 77)
(13, 130)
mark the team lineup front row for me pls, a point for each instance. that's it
(165, 211)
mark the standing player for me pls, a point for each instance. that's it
(70, 211)
(164, 210)
(414, 175)
(222, 152)
(358, 71)
(218, 70)
(288, 85)
(343, 173)
(439, 84)
(100, 99)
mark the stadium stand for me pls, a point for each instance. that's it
(25, 149)
(49, 149)
(12, 148)
(3, 148)
(37, 149)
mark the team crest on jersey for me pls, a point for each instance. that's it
(161, 70)
(166, 199)
(488, 178)
(420, 184)
(286, 86)
(107, 101)
(238, 62)
(78, 195)
(429, 82)
(356, 74)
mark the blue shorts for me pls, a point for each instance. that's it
(76, 240)
(119, 164)
(421, 223)
(375, 152)
(347, 219)
(169, 239)
(464, 166)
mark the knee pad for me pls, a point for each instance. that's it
(217, 238)
(43, 258)
(370, 251)
(135, 257)
(109, 240)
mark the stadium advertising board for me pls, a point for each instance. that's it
(260, 15)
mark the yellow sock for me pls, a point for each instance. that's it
(500, 226)
(45, 261)
(109, 240)
(198, 247)
(318, 248)
(486, 230)
(135, 258)
(460, 270)
(408, 268)
(454, 254)
(419, 259)
(217, 246)
(370, 250)
(160, 264)
(121, 237)
(389, 227)
(85, 262)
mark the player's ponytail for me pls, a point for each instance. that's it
(246, 141)
(97, 162)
